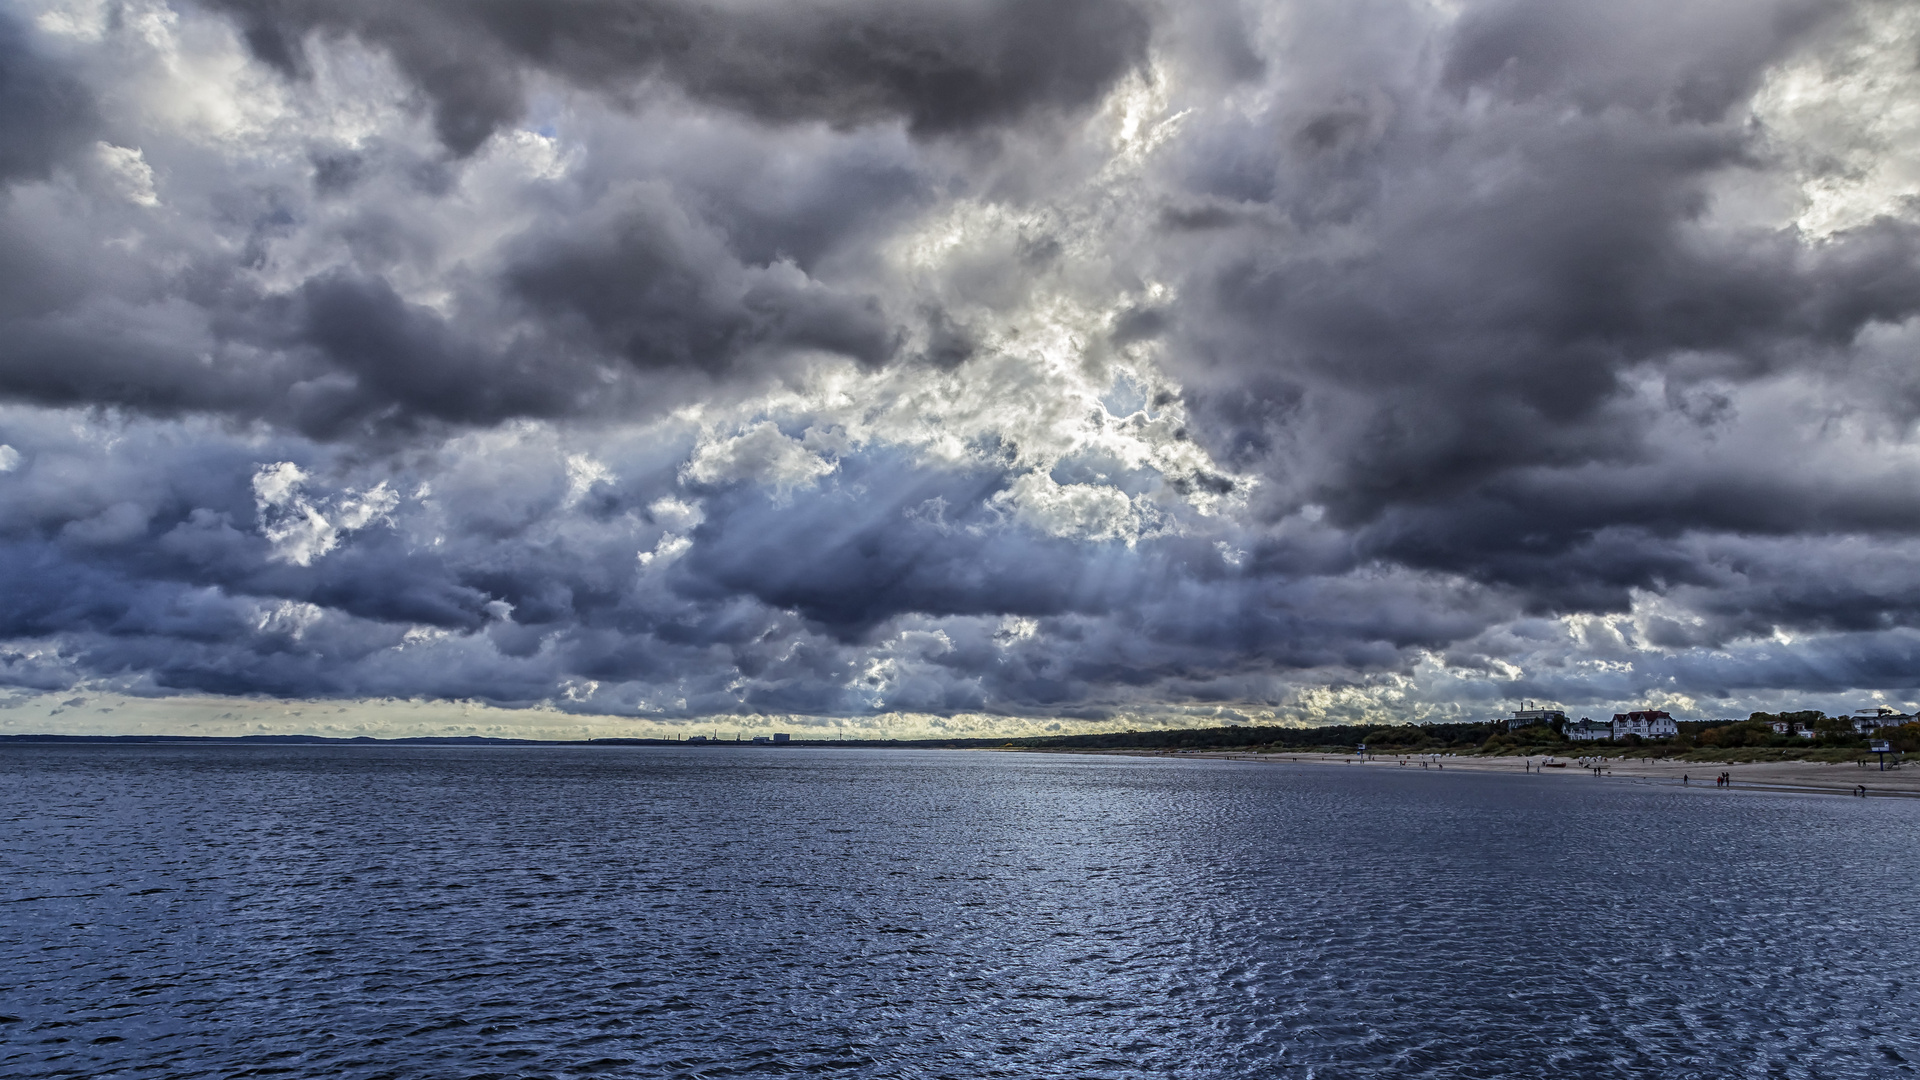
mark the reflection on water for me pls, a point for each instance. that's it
(381, 911)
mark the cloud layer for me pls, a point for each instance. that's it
(1074, 361)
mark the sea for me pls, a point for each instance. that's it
(572, 911)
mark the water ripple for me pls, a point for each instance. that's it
(372, 912)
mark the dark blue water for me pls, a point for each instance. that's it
(519, 912)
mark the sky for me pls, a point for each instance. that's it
(953, 366)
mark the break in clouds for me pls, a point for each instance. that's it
(1065, 360)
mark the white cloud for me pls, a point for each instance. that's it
(129, 173)
(1847, 116)
(762, 454)
(300, 530)
(1081, 511)
(582, 473)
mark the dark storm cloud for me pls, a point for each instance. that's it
(847, 357)
(342, 354)
(115, 552)
(941, 67)
(1691, 62)
(655, 289)
(613, 302)
(154, 565)
(398, 355)
(570, 321)
(890, 540)
(1464, 366)
(46, 114)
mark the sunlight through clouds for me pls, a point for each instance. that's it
(961, 367)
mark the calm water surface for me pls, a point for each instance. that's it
(664, 912)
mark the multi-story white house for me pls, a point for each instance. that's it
(1649, 724)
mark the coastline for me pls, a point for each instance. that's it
(1805, 777)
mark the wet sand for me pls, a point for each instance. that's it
(1806, 776)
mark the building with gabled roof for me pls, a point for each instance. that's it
(1648, 724)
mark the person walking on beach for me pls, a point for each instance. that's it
(1685, 779)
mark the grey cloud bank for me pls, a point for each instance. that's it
(989, 364)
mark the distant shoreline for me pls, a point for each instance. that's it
(329, 740)
(1785, 777)
(1805, 777)
(495, 740)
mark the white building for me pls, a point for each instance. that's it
(1650, 724)
(1865, 721)
(1586, 730)
(1524, 717)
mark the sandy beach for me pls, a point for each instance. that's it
(1803, 776)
